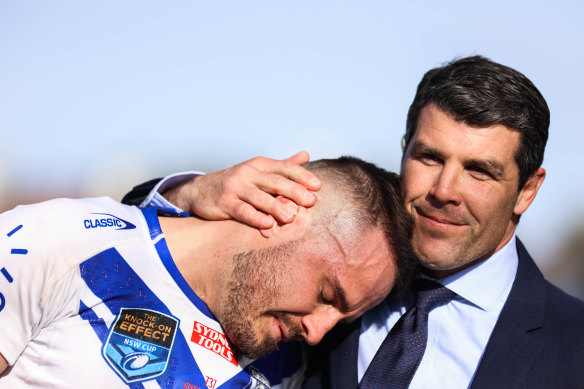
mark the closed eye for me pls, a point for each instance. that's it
(322, 299)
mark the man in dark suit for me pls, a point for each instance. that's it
(474, 145)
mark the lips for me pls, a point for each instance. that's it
(438, 219)
(286, 329)
(278, 330)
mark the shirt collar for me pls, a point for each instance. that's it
(489, 282)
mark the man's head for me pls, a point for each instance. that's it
(474, 144)
(338, 259)
(482, 93)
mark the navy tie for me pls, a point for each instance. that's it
(400, 353)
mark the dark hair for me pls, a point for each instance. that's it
(376, 195)
(480, 92)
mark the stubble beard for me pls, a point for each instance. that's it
(252, 289)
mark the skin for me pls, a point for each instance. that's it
(299, 292)
(246, 191)
(322, 274)
(297, 296)
(460, 183)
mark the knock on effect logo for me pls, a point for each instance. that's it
(139, 344)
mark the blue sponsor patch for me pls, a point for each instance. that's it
(107, 221)
(139, 343)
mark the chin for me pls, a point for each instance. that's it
(252, 347)
(259, 351)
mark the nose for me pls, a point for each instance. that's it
(318, 323)
(445, 186)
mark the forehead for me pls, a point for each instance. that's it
(366, 272)
(439, 132)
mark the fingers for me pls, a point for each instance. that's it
(283, 186)
(291, 207)
(246, 191)
(291, 169)
(299, 158)
(286, 178)
(281, 209)
(247, 214)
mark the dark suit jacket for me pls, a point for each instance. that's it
(537, 342)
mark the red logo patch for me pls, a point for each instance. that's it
(212, 340)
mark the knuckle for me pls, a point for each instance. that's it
(243, 212)
(259, 199)
(289, 165)
(224, 202)
(257, 160)
(244, 170)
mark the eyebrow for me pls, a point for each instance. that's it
(496, 168)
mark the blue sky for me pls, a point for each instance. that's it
(97, 96)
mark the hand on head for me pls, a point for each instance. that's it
(245, 192)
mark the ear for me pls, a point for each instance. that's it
(528, 192)
(291, 206)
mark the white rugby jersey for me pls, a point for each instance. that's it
(91, 298)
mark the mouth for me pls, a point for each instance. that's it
(436, 220)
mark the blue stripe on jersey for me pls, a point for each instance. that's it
(97, 323)
(151, 216)
(100, 329)
(111, 279)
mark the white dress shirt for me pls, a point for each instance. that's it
(458, 331)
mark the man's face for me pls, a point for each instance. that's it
(460, 183)
(302, 289)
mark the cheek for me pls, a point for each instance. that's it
(489, 204)
(297, 291)
(415, 181)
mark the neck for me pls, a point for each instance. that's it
(202, 252)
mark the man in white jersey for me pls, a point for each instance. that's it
(96, 294)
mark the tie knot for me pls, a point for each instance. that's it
(430, 294)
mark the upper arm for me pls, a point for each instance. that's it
(27, 264)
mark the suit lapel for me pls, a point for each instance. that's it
(343, 358)
(333, 362)
(514, 344)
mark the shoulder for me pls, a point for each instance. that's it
(61, 210)
(68, 228)
(535, 287)
(562, 305)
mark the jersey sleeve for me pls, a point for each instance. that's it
(155, 198)
(34, 281)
